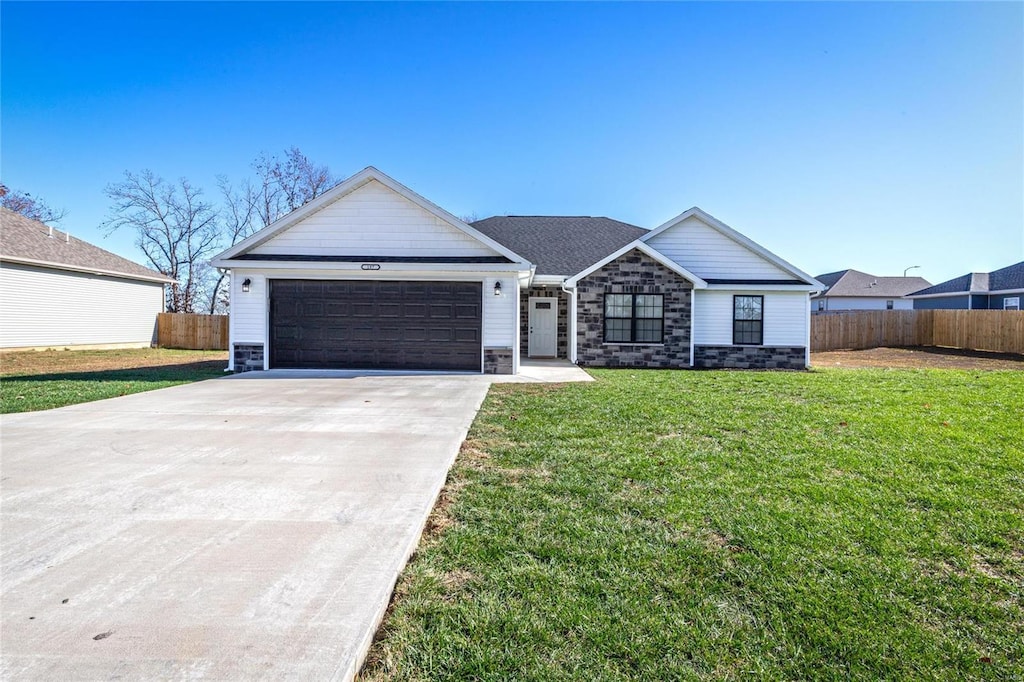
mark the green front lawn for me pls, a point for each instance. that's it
(837, 524)
(41, 380)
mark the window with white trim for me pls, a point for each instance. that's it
(747, 320)
(1011, 303)
(888, 305)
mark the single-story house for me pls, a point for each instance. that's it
(57, 291)
(856, 290)
(373, 275)
(998, 290)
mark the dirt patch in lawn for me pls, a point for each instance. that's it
(919, 357)
(76, 361)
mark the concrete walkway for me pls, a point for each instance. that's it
(235, 529)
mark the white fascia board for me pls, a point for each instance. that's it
(159, 279)
(697, 282)
(348, 186)
(548, 280)
(737, 237)
(763, 287)
(354, 267)
(1000, 292)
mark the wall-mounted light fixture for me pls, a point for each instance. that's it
(246, 285)
(497, 288)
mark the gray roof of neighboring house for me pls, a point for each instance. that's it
(857, 283)
(25, 240)
(560, 245)
(1005, 279)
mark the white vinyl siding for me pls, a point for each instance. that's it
(43, 307)
(785, 317)
(249, 308)
(862, 303)
(500, 313)
(709, 254)
(373, 221)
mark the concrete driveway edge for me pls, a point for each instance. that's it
(381, 608)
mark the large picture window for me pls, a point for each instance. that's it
(634, 318)
(747, 320)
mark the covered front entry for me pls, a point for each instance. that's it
(354, 324)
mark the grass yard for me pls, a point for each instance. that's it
(836, 524)
(41, 380)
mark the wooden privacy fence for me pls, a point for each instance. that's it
(192, 332)
(1001, 331)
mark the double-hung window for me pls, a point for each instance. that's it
(747, 320)
(634, 318)
(1011, 303)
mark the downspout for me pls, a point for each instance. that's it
(571, 341)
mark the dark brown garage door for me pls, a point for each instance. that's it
(375, 325)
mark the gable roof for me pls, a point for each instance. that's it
(638, 245)
(560, 245)
(23, 240)
(732, 234)
(862, 284)
(1010, 278)
(368, 174)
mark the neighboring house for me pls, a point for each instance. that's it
(999, 290)
(372, 275)
(856, 290)
(57, 291)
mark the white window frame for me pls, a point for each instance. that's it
(1011, 303)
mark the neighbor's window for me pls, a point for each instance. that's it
(888, 305)
(821, 305)
(634, 318)
(1011, 303)
(747, 320)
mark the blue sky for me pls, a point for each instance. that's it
(872, 136)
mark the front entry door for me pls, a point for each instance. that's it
(543, 338)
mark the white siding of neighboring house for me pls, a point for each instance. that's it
(785, 317)
(373, 221)
(709, 254)
(44, 307)
(862, 303)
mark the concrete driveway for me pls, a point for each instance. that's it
(239, 528)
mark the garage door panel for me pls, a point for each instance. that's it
(375, 325)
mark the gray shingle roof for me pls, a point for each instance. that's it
(856, 283)
(24, 239)
(1009, 278)
(560, 245)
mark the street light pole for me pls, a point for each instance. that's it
(909, 269)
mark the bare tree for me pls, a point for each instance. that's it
(29, 206)
(281, 186)
(174, 227)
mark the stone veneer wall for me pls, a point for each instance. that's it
(633, 273)
(562, 343)
(750, 357)
(497, 360)
(248, 356)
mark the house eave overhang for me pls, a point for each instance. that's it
(348, 186)
(155, 279)
(639, 245)
(744, 286)
(999, 292)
